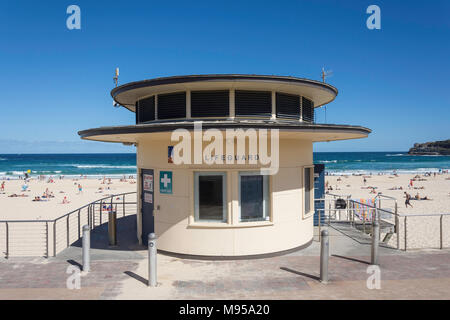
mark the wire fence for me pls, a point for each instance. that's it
(49, 237)
(400, 231)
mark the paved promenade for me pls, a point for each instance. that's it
(122, 274)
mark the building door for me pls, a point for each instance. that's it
(147, 201)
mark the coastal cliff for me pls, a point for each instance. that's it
(431, 148)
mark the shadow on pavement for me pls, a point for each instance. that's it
(136, 276)
(300, 273)
(351, 259)
(126, 236)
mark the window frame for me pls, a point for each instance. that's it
(306, 215)
(197, 174)
(266, 197)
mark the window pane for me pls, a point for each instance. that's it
(254, 195)
(210, 197)
(307, 190)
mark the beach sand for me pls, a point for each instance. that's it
(435, 188)
(23, 208)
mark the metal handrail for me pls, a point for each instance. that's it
(90, 217)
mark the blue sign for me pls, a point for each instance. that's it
(165, 182)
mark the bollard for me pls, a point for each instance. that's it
(86, 248)
(151, 260)
(375, 240)
(112, 228)
(324, 253)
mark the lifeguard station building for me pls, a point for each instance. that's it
(224, 203)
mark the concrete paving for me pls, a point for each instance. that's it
(121, 273)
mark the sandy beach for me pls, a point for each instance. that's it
(436, 188)
(23, 208)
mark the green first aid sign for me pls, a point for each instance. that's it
(165, 182)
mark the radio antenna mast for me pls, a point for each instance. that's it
(324, 75)
(116, 77)
(116, 81)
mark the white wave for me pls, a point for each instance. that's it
(337, 172)
(327, 161)
(104, 166)
(395, 155)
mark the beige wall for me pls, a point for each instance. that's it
(174, 221)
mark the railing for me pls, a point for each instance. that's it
(49, 237)
(407, 231)
(425, 230)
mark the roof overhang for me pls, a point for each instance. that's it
(291, 130)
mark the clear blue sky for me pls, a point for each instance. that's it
(56, 81)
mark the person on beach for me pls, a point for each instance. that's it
(2, 188)
(364, 181)
(407, 200)
(80, 189)
(65, 200)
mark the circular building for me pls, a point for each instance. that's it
(225, 162)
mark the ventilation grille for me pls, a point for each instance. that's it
(145, 110)
(307, 110)
(172, 106)
(253, 103)
(210, 104)
(288, 106)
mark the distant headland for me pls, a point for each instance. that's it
(431, 148)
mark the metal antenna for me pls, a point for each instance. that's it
(116, 81)
(116, 78)
(324, 75)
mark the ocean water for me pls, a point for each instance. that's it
(69, 165)
(376, 162)
(117, 165)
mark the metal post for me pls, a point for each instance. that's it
(112, 228)
(320, 217)
(101, 210)
(46, 240)
(54, 238)
(397, 231)
(86, 248)
(397, 226)
(405, 233)
(151, 260)
(123, 206)
(7, 240)
(67, 230)
(324, 253)
(79, 226)
(89, 215)
(375, 241)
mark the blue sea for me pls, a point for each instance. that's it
(116, 165)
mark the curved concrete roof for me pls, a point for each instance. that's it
(127, 94)
(291, 129)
